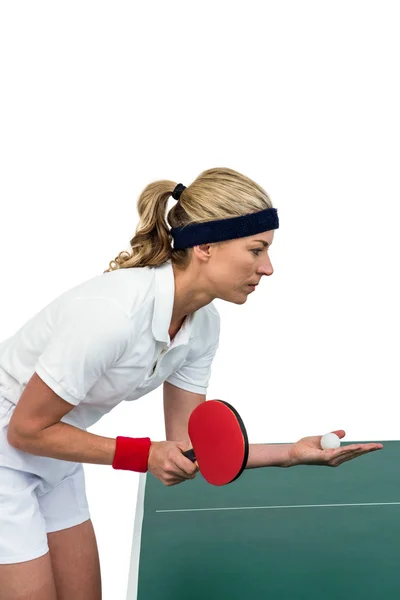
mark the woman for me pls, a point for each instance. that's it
(147, 320)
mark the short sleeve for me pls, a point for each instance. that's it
(194, 375)
(89, 337)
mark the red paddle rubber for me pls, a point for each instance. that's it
(219, 439)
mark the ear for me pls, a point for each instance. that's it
(203, 252)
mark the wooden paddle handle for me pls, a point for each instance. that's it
(190, 455)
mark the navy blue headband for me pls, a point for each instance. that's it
(224, 229)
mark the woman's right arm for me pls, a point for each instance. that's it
(35, 427)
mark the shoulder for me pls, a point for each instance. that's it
(212, 310)
(209, 313)
(126, 290)
(207, 325)
(213, 318)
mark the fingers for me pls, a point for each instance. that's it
(169, 465)
(170, 481)
(357, 447)
(340, 433)
(178, 473)
(169, 474)
(178, 468)
(353, 451)
(185, 467)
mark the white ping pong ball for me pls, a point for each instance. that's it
(329, 441)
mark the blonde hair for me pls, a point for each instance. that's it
(215, 194)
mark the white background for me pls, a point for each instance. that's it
(100, 98)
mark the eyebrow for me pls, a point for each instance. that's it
(262, 241)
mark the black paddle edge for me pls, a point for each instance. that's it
(246, 439)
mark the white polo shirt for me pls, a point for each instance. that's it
(106, 340)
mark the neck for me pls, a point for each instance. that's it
(189, 296)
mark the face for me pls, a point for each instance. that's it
(236, 267)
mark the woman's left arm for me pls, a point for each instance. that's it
(178, 404)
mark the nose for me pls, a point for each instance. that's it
(266, 268)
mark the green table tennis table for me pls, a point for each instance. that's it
(307, 532)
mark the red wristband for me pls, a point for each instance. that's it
(132, 454)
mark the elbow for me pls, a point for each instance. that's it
(13, 438)
(18, 439)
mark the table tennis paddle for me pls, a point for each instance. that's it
(219, 440)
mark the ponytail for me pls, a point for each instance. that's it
(151, 244)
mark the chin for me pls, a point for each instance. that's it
(235, 298)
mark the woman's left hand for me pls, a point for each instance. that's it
(307, 451)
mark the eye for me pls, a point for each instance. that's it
(257, 251)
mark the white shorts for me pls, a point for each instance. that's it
(38, 495)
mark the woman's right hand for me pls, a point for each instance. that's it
(169, 465)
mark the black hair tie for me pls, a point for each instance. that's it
(176, 194)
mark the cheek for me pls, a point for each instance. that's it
(232, 270)
(238, 272)
(225, 277)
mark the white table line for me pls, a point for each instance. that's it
(174, 510)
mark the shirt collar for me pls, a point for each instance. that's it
(164, 291)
